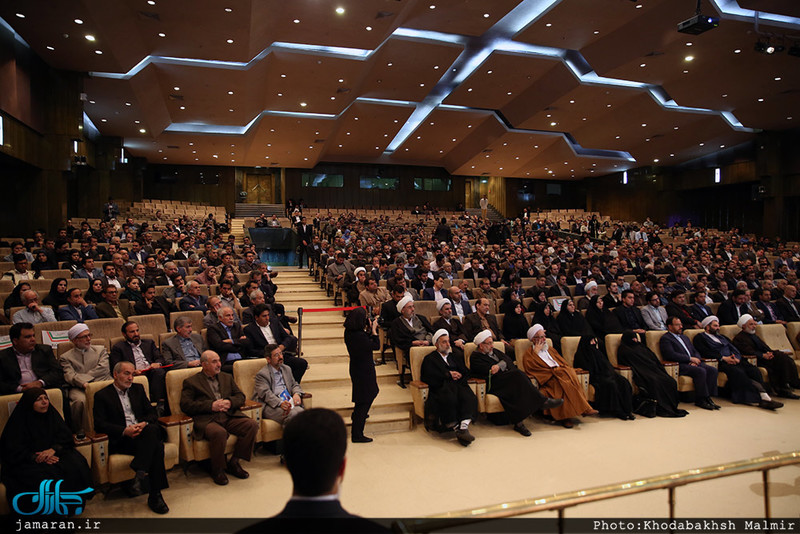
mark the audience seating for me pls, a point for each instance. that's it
(154, 325)
(67, 346)
(487, 403)
(53, 326)
(195, 316)
(105, 328)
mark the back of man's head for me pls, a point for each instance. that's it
(315, 442)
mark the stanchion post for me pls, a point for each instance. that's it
(299, 332)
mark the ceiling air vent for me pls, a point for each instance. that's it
(149, 15)
(383, 14)
(176, 97)
(654, 53)
(175, 147)
(318, 141)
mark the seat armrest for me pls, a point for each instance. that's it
(476, 381)
(580, 371)
(418, 384)
(173, 420)
(306, 396)
(251, 405)
(86, 440)
(96, 438)
(622, 368)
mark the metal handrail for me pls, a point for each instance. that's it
(561, 501)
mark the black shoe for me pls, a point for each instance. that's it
(770, 404)
(704, 404)
(714, 404)
(552, 403)
(361, 439)
(220, 479)
(236, 470)
(138, 485)
(157, 504)
(522, 429)
(464, 437)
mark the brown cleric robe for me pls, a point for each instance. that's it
(558, 383)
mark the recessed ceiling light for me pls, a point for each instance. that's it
(760, 99)
(20, 15)
(488, 72)
(436, 67)
(638, 6)
(737, 51)
(644, 124)
(151, 2)
(127, 103)
(230, 109)
(454, 139)
(230, 92)
(230, 41)
(422, 85)
(369, 28)
(92, 102)
(702, 144)
(183, 107)
(469, 90)
(655, 160)
(643, 65)
(283, 76)
(389, 64)
(296, 21)
(280, 94)
(103, 120)
(553, 123)
(228, 10)
(571, 101)
(98, 52)
(340, 10)
(142, 130)
(548, 25)
(78, 21)
(214, 156)
(788, 118)
(341, 80)
(486, 15)
(617, 137)
(162, 34)
(508, 93)
(333, 98)
(725, 95)
(722, 146)
(777, 78)
(176, 88)
(50, 48)
(596, 32)
(89, 37)
(303, 104)
(191, 144)
(689, 58)
(432, 6)
(675, 128)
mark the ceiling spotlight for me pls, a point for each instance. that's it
(340, 11)
(768, 48)
(78, 21)
(89, 37)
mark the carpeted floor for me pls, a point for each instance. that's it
(414, 474)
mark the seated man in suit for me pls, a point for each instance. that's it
(276, 388)
(699, 310)
(193, 300)
(436, 292)
(113, 306)
(213, 400)
(146, 359)
(629, 315)
(267, 330)
(733, 308)
(483, 320)
(315, 443)
(677, 307)
(184, 348)
(459, 301)
(676, 347)
(227, 339)
(88, 271)
(76, 308)
(782, 369)
(787, 306)
(772, 314)
(745, 382)
(33, 312)
(25, 364)
(152, 304)
(450, 398)
(82, 364)
(123, 412)
(485, 290)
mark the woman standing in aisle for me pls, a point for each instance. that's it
(361, 339)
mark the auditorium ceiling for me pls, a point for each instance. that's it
(532, 89)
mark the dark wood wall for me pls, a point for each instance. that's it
(352, 196)
(211, 185)
(533, 194)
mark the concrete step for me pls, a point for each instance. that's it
(337, 374)
(391, 398)
(327, 333)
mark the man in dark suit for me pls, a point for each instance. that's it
(436, 292)
(410, 329)
(88, 271)
(123, 412)
(453, 327)
(676, 347)
(113, 306)
(771, 313)
(193, 300)
(266, 330)
(787, 306)
(76, 308)
(474, 271)
(40, 368)
(782, 369)
(481, 320)
(459, 301)
(315, 442)
(560, 288)
(304, 235)
(226, 338)
(699, 310)
(185, 347)
(629, 315)
(733, 308)
(213, 400)
(146, 359)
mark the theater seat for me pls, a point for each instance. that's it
(7, 403)
(151, 324)
(612, 343)
(487, 403)
(775, 335)
(652, 339)
(110, 468)
(521, 346)
(105, 328)
(244, 374)
(68, 345)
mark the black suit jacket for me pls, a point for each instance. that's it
(109, 418)
(455, 329)
(639, 323)
(472, 325)
(216, 336)
(727, 312)
(122, 352)
(44, 365)
(306, 516)
(256, 340)
(786, 310)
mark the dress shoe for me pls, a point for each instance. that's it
(138, 485)
(157, 504)
(704, 404)
(787, 394)
(714, 404)
(552, 403)
(522, 429)
(590, 412)
(631, 417)
(464, 437)
(220, 479)
(770, 404)
(361, 439)
(236, 470)
(567, 423)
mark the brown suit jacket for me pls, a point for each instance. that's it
(472, 325)
(105, 311)
(197, 398)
